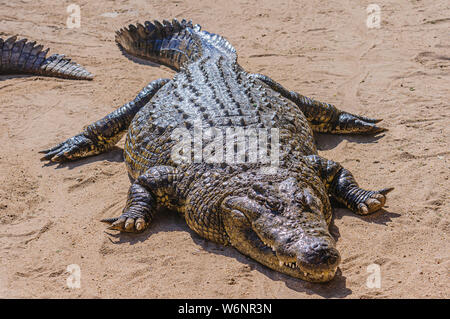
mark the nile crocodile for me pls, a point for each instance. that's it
(278, 217)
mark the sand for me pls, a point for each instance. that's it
(49, 215)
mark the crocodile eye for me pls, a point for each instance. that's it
(273, 203)
(259, 188)
(300, 198)
(308, 200)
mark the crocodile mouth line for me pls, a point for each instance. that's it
(294, 269)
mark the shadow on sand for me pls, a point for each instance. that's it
(5, 77)
(168, 221)
(327, 142)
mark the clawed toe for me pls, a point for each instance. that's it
(72, 148)
(380, 198)
(140, 224)
(51, 153)
(372, 204)
(364, 127)
(368, 119)
(118, 224)
(55, 156)
(123, 224)
(351, 123)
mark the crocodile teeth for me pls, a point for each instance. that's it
(292, 265)
(268, 245)
(280, 263)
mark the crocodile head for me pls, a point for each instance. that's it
(282, 225)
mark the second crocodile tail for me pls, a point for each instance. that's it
(23, 57)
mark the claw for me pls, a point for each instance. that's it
(59, 157)
(126, 224)
(372, 203)
(385, 191)
(51, 149)
(363, 209)
(381, 198)
(368, 119)
(109, 220)
(377, 129)
(74, 147)
(50, 154)
(53, 154)
(48, 157)
(129, 224)
(368, 128)
(349, 123)
(140, 224)
(375, 202)
(118, 224)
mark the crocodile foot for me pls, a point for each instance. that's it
(373, 203)
(348, 123)
(127, 224)
(73, 148)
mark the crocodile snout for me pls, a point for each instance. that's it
(319, 257)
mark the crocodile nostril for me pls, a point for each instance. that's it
(333, 257)
(332, 260)
(321, 255)
(259, 188)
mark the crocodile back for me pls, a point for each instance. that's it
(214, 92)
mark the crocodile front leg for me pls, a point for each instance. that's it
(102, 135)
(324, 117)
(342, 186)
(150, 190)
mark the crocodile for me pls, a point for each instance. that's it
(25, 57)
(278, 214)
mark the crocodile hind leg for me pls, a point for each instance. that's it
(341, 185)
(324, 117)
(149, 190)
(102, 135)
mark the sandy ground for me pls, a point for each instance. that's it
(49, 215)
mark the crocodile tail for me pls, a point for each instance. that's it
(168, 43)
(23, 57)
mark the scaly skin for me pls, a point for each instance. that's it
(280, 218)
(22, 57)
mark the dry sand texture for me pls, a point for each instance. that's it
(49, 215)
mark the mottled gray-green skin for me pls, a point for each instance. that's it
(279, 218)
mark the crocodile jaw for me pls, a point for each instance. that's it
(298, 269)
(299, 249)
